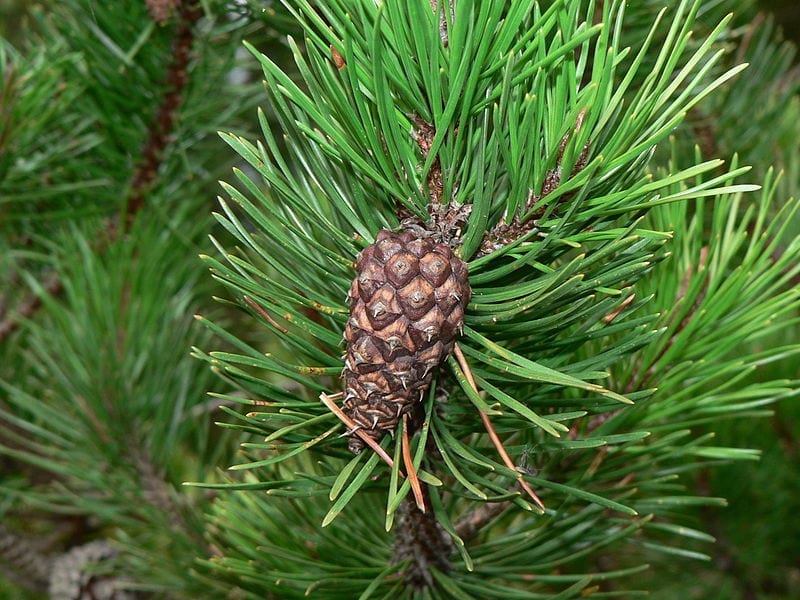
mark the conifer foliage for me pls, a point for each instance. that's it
(560, 424)
(484, 284)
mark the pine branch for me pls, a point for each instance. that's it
(420, 540)
(539, 132)
(176, 77)
(158, 138)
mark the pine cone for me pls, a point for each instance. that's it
(406, 307)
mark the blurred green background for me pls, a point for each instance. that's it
(787, 13)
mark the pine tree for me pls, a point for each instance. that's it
(489, 279)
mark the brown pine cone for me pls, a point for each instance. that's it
(406, 308)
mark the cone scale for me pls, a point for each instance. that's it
(406, 308)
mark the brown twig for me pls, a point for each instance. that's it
(352, 426)
(446, 218)
(424, 134)
(161, 129)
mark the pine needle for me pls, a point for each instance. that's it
(352, 427)
(487, 423)
(412, 472)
